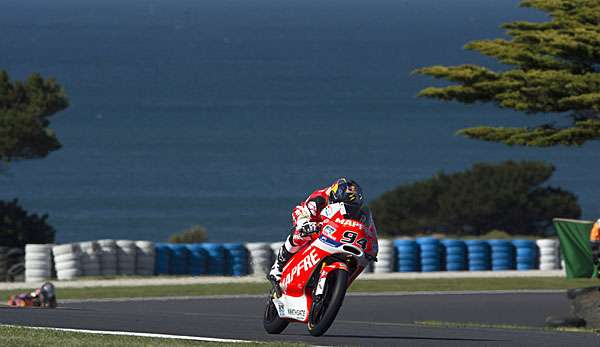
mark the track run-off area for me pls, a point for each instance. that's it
(392, 319)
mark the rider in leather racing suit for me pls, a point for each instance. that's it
(307, 215)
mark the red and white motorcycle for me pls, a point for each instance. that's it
(314, 281)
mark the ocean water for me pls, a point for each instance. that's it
(227, 113)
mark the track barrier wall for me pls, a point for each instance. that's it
(146, 258)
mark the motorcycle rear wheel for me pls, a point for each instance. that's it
(323, 312)
(272, 323)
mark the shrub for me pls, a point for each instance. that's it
(507, 196)
(18, 228)
(195, 234)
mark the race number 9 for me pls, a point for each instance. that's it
(349, 237)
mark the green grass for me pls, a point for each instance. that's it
(21, 336)
(370, 286)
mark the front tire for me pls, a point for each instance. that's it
(323, 311)
(271, 321)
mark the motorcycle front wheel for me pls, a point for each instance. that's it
(324, 310)
(271, 321)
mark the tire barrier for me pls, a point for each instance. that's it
(38, 262)
(261, 257)
(236, 259)
(454, 255)
(478, 255)
(126, 252)
(549, 254)
(430, 251)
(198, 259)
(3, 263)
(164, 254)
(527, 255)
(108, 257)
(503, 255)
(90, 258)
(407, 259)
(180, 258)
(385, 257)
(144, 258)
(126, 257)
(66, 261)
(216, 259)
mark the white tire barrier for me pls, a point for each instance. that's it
(386, 257)
(144, 258)
(90, 258)
(108, 257)
(38, 262)
(126, 252)
(549, 254)
(261, 257)
(66, 261)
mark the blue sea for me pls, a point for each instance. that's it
(227, 113)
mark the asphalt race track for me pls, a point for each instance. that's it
(366, 320)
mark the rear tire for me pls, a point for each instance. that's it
(271, 321)
(323, 313)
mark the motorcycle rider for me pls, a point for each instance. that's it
(307, 216)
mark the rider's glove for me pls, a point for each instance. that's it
(308, 228)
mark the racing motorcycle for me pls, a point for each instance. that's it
(314, 281)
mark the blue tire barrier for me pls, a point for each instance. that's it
(427, 241)
(456, 250)
(162, 262)
(430, 247)
(455, 255)
(478, 249)
(180, 259)
(198, 263)
(503, 255)
(527, 254)
(216, 259)
(430, 254)
(456, 258)
(430, 262)
(407, 255)
(519, 243)
(483, 256)
(478, 255)
(237, 262)
(448, 243)
(407, 249)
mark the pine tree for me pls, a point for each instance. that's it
(25, 109)
(554, 67)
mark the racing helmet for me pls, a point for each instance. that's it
(349, 193)
(47, 291)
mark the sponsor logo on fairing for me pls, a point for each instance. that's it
(295, 312)
(350, 222)
(304, 265)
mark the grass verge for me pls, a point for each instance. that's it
(22, 336)
(370, 286)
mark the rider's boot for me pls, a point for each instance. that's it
(283, 256)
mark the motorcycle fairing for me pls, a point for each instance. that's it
(291, 307)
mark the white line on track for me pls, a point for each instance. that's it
(128, 333)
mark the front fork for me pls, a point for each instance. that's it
(325, 270)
